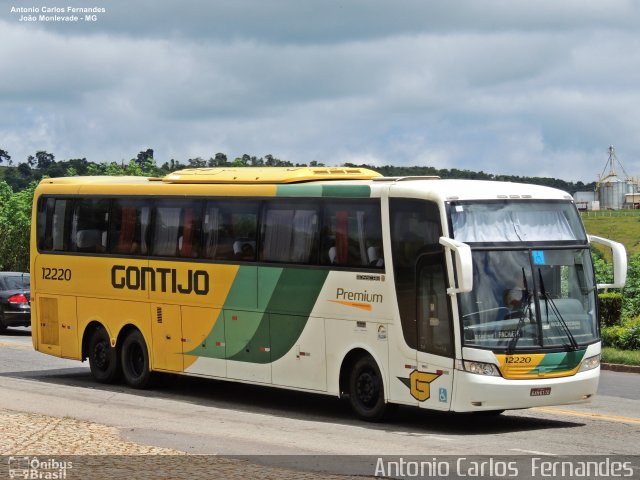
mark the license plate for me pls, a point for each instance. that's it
(539, 392)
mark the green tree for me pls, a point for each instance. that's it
(44, 159)
(145, 158)
(603, 269)
(171, 166)
(145, 165)
(15, 227)
(115, 169)
(4, 155)
(197, 162)
(241, 161)
(631, 291)
(220, 160)
(19, 178)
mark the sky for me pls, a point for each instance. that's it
(517, 87)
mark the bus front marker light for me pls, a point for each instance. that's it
(590, 363)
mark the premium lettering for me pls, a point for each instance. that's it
(342, 294)
(160, 279)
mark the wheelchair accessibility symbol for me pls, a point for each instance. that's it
(442, 395)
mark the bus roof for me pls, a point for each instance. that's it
(463, 189)
(277, 181)
(268, 174)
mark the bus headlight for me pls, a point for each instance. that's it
(479, 368)
(590, 363)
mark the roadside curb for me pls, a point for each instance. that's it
(616, 367)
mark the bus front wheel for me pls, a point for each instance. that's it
(366, 390)
(103, 359)
(135, 360)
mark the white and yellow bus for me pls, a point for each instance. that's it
(443, 294)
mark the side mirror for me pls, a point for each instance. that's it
(463, 262)
(619, 261)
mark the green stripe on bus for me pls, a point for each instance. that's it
(208, 347)
(246, 281)
(311, 190)
(299, 190)
(288, 294)
(341, 191)
(293, 299)
(559, 362)
(297, 290)
(268, 278)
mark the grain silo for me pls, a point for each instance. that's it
(612, 189)
(586, 200)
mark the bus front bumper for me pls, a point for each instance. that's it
(476, 393)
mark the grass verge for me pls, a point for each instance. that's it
(623, 357)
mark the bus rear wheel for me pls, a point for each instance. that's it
(135, 360)
(103, 359)
(366, 390)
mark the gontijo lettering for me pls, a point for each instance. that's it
(160, 279)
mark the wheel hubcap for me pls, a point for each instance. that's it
(101, 355)
(136, 360)
(367, 388)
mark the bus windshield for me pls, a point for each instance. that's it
(516, 221)
(524, 299)
(533, 279)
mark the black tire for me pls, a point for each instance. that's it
(3, 327)
(366, 390)
(135, 360)
(489, 413)
(104, 360)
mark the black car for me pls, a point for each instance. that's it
(15, 300)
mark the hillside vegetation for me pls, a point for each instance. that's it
(623, 227)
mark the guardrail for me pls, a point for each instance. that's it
(610, 213)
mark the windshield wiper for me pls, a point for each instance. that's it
(523, 312)
(549, 301)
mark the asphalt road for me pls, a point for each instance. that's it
(213, 417)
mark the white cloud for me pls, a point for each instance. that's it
(534, 88)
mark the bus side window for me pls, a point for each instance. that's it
(165, 231)
(210, 230)
(176, 229)
(189, 239)
(352, 234)
(290, 232)
(53, 224)
(434, 326)
(229, 230)
(89, 225)
(44, 222)
(415, 226)
(129, 227)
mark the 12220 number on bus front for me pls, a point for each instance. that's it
(517, 360)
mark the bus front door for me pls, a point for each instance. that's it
(432, 381)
